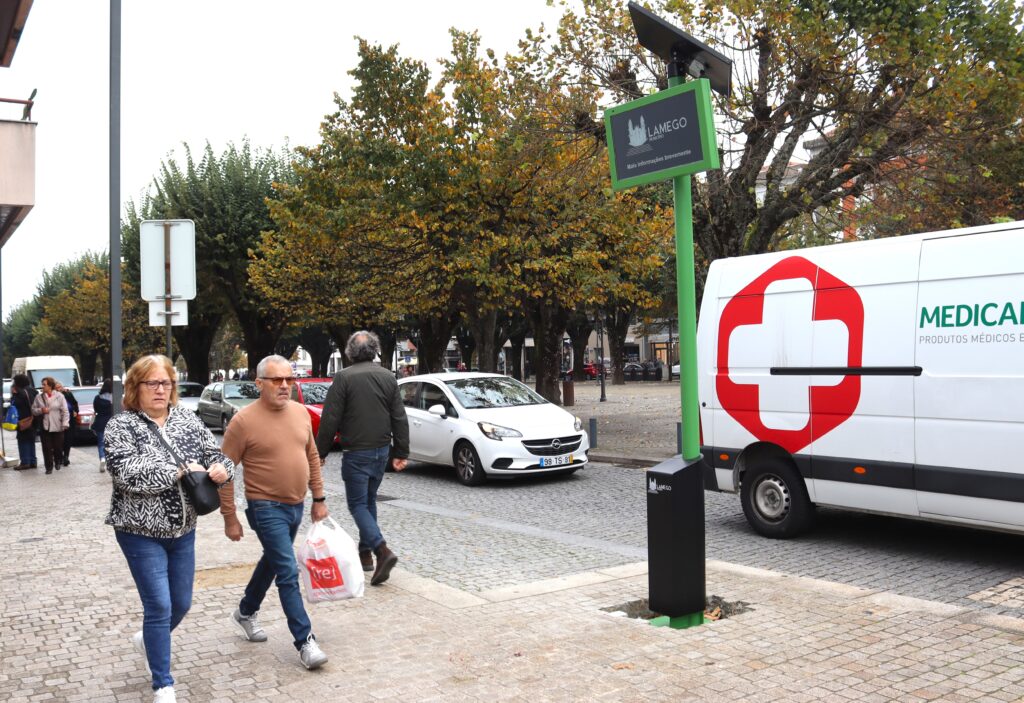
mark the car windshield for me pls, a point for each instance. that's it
(85, 396)
(493, 392)
(314, 393)
(189, 390)
(65, 377)
(239, 391)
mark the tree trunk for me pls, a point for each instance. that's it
(435, 332)
(339, 333)
(548, 327)
(260, 338)
(484, 330)
(194, 342)
(317, 344)
(87, 365)
(518, 340)
(617, 327)
(579, 328)
(467, 344)
(388, 341)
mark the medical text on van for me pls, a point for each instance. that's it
(978, 314)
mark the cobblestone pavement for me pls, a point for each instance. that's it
(499, 596)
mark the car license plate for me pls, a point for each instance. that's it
(556, 460)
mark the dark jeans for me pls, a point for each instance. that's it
(53, 448)
(69, 438)
(276, 525)
(362, 470)
(27, 447)
(99, 443)
(163, 570)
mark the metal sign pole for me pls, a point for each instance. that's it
(167, 284)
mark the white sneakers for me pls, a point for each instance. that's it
(140, 647)
(103, 466)
(165, 695)
(311, 655)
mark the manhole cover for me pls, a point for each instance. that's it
(717, 608)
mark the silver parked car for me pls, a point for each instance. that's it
(189, 393)
(220, 401)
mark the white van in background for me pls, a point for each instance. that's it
(885, 376)
(61, 368)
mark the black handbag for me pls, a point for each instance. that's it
(199, 488)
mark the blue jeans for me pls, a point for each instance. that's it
(99, 443)
(362, 470)
(276, 525)
(27, 447)
(163, 570)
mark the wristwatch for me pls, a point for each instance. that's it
(321, 499)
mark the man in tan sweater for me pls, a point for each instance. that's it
(273, 440)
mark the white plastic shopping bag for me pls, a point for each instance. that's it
(329, 562)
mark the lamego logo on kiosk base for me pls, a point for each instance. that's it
(829, 406)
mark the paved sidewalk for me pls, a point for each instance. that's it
(69, 606)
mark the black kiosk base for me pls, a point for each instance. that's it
(675, 542)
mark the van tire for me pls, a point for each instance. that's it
(774, 499)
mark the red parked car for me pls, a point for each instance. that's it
(312, 392)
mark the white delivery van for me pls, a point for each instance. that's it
(61, 368)
(884, 376)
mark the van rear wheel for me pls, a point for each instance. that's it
(775, 500)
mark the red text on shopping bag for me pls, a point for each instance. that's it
(324, 573)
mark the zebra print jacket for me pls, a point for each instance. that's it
(147, 498)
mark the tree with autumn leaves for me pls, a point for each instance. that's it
(466, 200)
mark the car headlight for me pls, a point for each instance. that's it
(497, 431)
(578, 425)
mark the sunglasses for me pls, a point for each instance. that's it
(278, 380)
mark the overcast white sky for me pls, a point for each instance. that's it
(192, 71)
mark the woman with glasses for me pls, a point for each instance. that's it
(153, 521)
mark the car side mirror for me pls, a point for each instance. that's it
(437, 410)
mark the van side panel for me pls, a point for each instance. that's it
(865, 459)
(970, 395)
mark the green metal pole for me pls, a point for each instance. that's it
(686, 299)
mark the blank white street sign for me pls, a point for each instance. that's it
(183, 259)
(158, 316)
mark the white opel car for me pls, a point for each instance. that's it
(485, 424)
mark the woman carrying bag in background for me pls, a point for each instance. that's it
(103, 409)
(153, 521)
(51, 406)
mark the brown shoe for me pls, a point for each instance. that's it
(366, 559)
(386, 561)
(22, 467)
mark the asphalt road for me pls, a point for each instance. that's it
(509, 532)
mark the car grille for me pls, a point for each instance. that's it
(553, 447)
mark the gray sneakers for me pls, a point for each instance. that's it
(249, 625)
(311, 655)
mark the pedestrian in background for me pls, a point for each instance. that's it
(153, 521)
(273, 441)
(364, 404)
(53, 409)
(103, 410)
(69, 435)
(22, 395)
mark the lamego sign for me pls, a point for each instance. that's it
(668, 134)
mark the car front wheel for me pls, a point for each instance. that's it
(468, 469)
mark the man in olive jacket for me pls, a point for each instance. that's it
(364, 405)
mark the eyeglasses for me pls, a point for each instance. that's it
(153, 385)
(278, 380)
